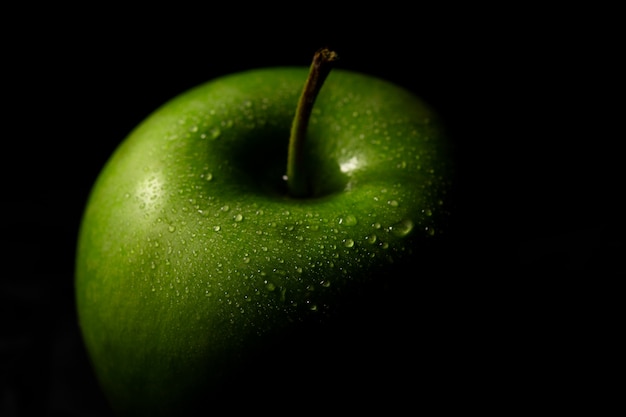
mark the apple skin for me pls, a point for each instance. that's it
(191, 255)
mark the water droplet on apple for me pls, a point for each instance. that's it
(371, 239)
(402, 228)
(217, 228)
(208, 176)
(348, 220)
(215, 133)
(348, 243)
(238, 217)
(171, 228)
(393, 203)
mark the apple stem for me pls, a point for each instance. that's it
(297, 182)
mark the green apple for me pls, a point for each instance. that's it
(195, 255)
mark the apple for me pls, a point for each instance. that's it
(223, 228)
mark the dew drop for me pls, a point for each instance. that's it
(348, 243)
(371, 239)
(217, 228)
(348, 220)
(208, 176)
(214, 133)
(171, 228)
(402, 228)
(393, 203)
(238, 217)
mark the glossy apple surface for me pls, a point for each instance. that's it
(192, 255)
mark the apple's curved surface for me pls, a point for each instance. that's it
(190, 251)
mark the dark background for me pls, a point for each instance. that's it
(528, 98)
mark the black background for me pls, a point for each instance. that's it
(529, 100)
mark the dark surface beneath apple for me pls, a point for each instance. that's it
(513, 304)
